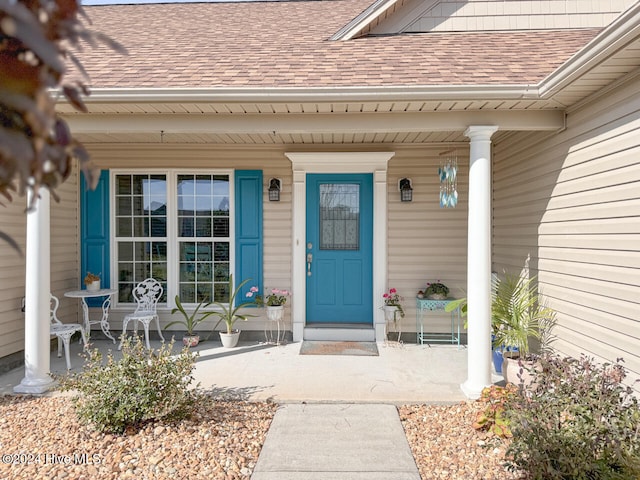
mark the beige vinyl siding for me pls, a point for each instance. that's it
(426, 243)
(12, 277)
(276, 215)
(568, 206)
(64, 263)
(476, 15)
(65, 248)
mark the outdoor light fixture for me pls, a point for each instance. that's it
(406, 191)
(274, 189)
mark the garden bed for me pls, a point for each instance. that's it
(221, 441)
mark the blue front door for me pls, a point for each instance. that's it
(339, 248)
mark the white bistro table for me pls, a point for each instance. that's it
(104, 320)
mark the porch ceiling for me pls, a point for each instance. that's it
(305, 124)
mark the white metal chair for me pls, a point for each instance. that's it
(64, 331)
(146, 294)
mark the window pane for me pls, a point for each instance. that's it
(123, 227)
(125, 251)
(138, 182)
(204, 272)
(185, 227)
(204, 185)
(158, 227)
(123, 184)
(221, 252)
(339, 216)
(196, 264)
(140, 227)
(137, 261)
(221, 271)
(221, 227)
(123, 206)
(204, 293)
(203, 227)
(221, 292)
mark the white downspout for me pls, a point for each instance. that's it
(479, 262)
(37, 303)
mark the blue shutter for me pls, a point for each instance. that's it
(94, 232)
(248, 223)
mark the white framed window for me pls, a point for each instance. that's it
(175, 226)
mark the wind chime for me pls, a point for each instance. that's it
(448, 173)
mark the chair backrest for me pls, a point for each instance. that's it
(54, 303)
(146, 294)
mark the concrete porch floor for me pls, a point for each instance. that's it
(402, 373)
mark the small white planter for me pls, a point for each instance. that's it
(93, 286)
(229, 340)
(391, 313)
(275, 313)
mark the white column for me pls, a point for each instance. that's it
(37, 291)
(479, 262)
(379, 250)
(299, 279)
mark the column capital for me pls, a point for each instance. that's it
(480, 132)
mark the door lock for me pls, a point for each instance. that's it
(309, 260)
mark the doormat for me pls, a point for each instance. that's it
(339, 348)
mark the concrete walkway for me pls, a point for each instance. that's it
(336, 442)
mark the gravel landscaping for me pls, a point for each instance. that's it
(221, 441)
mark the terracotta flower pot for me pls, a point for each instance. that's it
(519, 371)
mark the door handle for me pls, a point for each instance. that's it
(309, 260)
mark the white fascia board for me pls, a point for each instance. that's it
(315, 123)
(616, 36)
(312, 94)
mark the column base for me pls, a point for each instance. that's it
(472, 390)
(380, 332)
(35, 385)
(298, 331)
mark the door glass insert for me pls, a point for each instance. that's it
(339, 216)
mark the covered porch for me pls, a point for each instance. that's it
(412, 243)
(255, 371)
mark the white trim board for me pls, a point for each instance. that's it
(338, 162)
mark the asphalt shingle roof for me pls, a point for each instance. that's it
(285, 44)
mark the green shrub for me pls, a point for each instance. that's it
(579, 422)
(144, 385)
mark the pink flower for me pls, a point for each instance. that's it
(392, 291)
(386, 295)
(284, 292)
(253, 289)
(249, 294)
(275, 290)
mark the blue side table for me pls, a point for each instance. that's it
(425, 305)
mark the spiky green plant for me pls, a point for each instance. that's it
(518, 313)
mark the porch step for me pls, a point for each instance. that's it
(339, 332)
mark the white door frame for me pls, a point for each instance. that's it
(338, 162)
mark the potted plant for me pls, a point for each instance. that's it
(392, 307)
(518, 314)
(92, 282)
(274, 302)
(228, 313)
(436, 291)
(189, 322)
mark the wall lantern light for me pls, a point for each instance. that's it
(406, 190)
(275, 185)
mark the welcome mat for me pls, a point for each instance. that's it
(339, 348)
